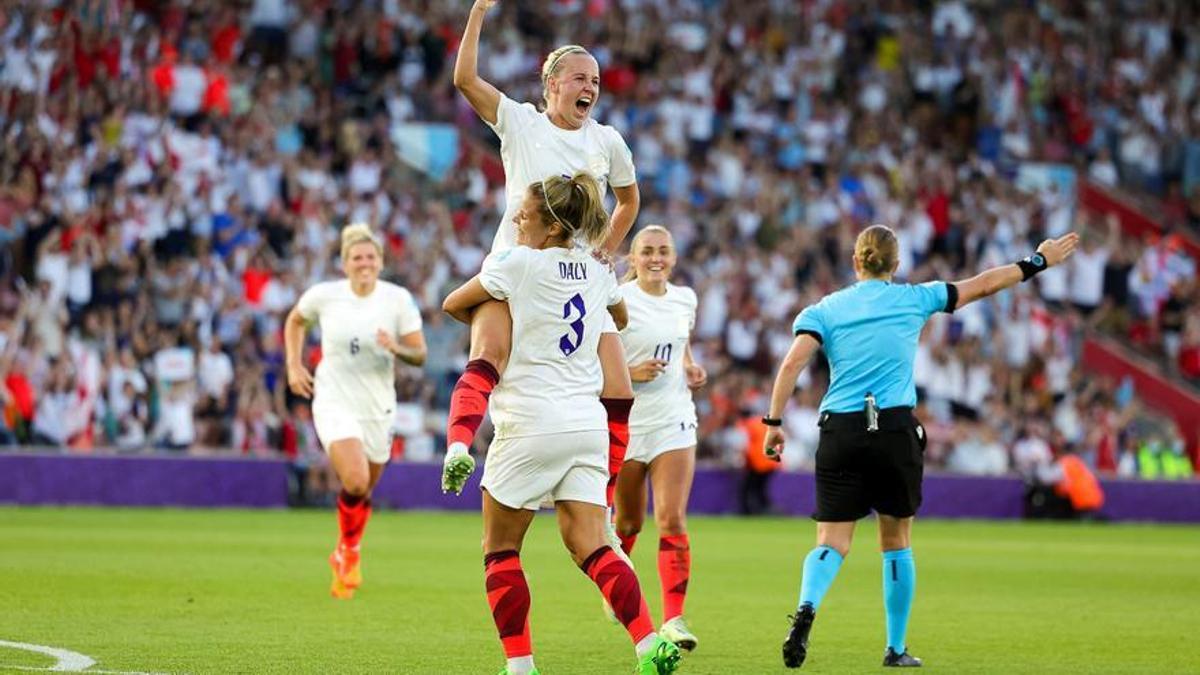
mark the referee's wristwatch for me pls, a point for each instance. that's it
(772, 421)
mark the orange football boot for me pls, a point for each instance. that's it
(347, 572)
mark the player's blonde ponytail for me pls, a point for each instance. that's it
(551, 64)
(576, 204)
(631, 273)
(357, 233)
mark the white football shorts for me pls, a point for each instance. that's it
(334, 424)
(645, 448)
(571, 466)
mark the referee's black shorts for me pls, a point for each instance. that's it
(860, 470)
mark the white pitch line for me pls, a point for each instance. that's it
(89, 671)
(66, 661)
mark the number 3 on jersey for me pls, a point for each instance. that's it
(570, 342)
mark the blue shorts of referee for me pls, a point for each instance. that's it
(859, 470)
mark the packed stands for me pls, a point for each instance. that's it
(173, 176)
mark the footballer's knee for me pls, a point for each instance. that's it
(356, 485)
(628, 526)
(616, 388)
(580, 548)
(356, 481)
(671, 524)
(496, 355)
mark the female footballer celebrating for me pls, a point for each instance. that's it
(551, 436)
(366, 324)
(561, 140)
(662, 425)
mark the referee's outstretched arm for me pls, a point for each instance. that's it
(1050, 253)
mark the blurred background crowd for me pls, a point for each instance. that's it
(174, 174)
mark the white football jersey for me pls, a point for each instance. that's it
(659, 328)
(533, 149)
(558, 298)
(355, 373)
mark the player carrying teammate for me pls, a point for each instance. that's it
(366, 324)
(662, 425)
(561, 140)
(551, 436)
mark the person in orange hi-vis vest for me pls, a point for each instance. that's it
(1079, 486)
(753, 497)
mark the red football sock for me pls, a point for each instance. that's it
(469, 402)
(508, 595)
(618, 439)
(620, 587)
(627, 542)
(674, 568)
(353, 512)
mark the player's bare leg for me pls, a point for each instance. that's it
(671, 478)
(357, 477)
(583, 530)
(617, 397)
(491, 344)
(628, 515)
(504, 531)
(629, 503)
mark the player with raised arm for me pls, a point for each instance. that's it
(366, 324)
(662, 425)
(562, 139)
(551, 437)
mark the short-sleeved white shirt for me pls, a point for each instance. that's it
(559, 299)
(659, 328)
(533, 149)
(355, 373)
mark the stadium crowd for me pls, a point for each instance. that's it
(174, 174)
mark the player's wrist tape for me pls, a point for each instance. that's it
(1032, 265)
(772, 421)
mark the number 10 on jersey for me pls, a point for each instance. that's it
(663, 352)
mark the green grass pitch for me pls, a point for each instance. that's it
(247, 592)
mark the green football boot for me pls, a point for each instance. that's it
(662, 659)
(456, 468)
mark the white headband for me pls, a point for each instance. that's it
(546, 196)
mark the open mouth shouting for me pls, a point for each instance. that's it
(583, 104)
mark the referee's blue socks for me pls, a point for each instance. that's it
(899, 584)
(820, 568)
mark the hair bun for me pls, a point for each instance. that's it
(876, 250)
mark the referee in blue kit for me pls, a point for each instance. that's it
(870, 454)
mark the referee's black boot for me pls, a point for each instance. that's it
(795, 647)
(893, 660)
